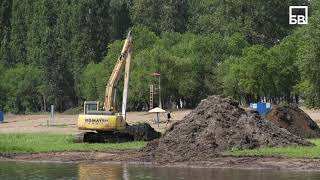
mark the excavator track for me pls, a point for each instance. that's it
(103, 137)
(136, 132)
(79, 138)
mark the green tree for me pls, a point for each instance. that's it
(120, 15)
(93, 82)
(161, 15)
(5, 49)
(262, 21)
(19, 25)
(21, 87)
(248, 76)
(309, 58)
(5, 17)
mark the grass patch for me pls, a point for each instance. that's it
(34, 113)
(292, 152)
(40, 142)
(56, 125)
(74, 111)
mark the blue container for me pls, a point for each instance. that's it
(262, 108)
(1, 117)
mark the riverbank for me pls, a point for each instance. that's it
(134, 157)
(55, 145)
(60, 148)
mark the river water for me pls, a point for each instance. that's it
(96, 171)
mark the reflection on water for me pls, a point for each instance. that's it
(21, 170)
(101, 171)
(97, 171)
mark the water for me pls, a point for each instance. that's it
(97, 171)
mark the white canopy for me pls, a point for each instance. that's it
(157, 110)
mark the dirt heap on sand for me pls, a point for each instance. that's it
(142, 132)
(292, 118)
(216, 125)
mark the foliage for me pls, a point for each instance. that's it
(241, 48)
(310, 59)
(161, 15)
(21, 85)
(261, 21)
(92, 82)
(187, 64)
(264, 74)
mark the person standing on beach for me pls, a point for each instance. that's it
(168, 118)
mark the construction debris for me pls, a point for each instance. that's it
(216, 125)
(292, 118)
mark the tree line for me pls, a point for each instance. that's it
(62, 52)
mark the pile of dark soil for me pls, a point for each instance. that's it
(142, 132)
(292, 118)
(216, 125)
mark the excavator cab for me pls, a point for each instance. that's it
(90, 106)
(93, 108)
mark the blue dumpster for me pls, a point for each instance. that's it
(262, 108)
(1, 117)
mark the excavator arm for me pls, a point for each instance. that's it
(123, 61)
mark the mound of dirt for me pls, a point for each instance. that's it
(292, 118)
(142, 132)
(216, 125)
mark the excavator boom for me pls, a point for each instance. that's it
(123, 60)
(126, 83)
(108, 125)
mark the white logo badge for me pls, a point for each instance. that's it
(298, 18)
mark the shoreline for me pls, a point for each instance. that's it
(135, 158)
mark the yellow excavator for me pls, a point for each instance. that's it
(106, 124)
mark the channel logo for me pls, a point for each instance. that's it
(298, 15)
